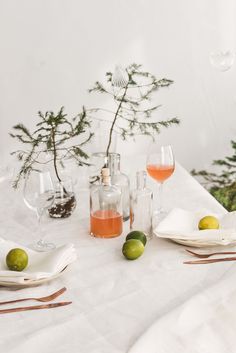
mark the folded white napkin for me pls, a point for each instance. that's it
(41, 264)
(182, 224)
(203, 324)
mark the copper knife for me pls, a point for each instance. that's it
(34, 307)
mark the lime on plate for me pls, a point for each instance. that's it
(17, 259)
(208, 222)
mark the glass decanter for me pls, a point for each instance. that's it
(141, 206)
(105, 208)
(121, 180)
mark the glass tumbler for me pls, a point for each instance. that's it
(141, 206)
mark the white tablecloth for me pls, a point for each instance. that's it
(114, 300)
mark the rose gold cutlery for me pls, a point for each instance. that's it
(205, 256)
(34, 307)
(48, 298)
(210, 261)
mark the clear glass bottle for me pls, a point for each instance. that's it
(105, 208)
(97, 162)
(141, 206)
(121, 180)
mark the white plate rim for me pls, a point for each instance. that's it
(196, 243)
(31, 283)
(199, 244)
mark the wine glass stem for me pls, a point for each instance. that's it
(159, 196)
(40, 236)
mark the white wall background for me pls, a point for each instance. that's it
(53, 50)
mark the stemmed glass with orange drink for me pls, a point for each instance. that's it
(160, 166)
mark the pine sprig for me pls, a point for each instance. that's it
(222, 185)
(50, 135)
(132, 103)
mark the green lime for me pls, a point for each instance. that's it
(132, 249)
(208, 222)
(17, 259)
(137, 234)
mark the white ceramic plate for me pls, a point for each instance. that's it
(31, 283)
(201, 244)
(181, 226)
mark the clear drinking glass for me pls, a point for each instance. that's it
(141, 206)
(38, 196)
(160, 166)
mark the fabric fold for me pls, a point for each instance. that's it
(183, 225)
(203, 324)
(41, 264)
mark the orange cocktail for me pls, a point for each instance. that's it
(106, 224)
(160, 172)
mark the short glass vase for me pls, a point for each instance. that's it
(65, 201)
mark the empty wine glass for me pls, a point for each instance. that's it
(39, 196)
(160, 166)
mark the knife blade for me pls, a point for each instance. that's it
(33, 307)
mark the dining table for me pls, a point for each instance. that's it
(155, 303)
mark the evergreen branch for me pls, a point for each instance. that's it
(222, 186)
(220, 162)
(131, 103)
(24, 130)
(98, 87)
(114, 121)
(51, 132)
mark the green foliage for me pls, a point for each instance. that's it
(132, 103)
(226, 196)
(222, 186)
(52, 134)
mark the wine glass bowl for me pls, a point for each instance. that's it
(39, 201)
(38, 195)
(160, 162)
(160, 172)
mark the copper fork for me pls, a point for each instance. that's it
(205, 256)
(209, 261)
(48, 298)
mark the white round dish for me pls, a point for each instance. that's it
(31, 283)
(201, 244)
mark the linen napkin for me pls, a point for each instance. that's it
(182, 224)
(41, 264)
(204, 324)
